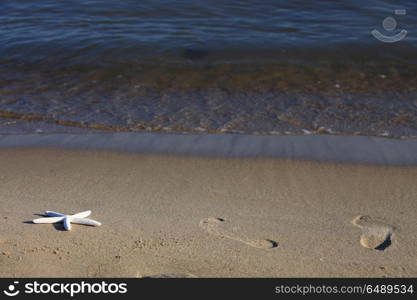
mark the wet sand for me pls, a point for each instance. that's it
(184, 216)
(323, 148)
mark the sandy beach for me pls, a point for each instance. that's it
(184, 216)
(208, 139)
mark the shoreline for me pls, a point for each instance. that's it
(321, 148)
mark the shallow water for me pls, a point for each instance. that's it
(251, 67)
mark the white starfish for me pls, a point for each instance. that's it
(54, 217)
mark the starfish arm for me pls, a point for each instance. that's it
(48, 220)
(53, 214)
(82, 214)
(67, 223)
(85, 221)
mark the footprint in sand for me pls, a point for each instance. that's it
(375, 234)
(220, 227)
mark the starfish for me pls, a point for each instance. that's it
(54, 217)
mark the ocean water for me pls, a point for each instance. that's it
(246, 67)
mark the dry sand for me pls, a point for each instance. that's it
(205, 217)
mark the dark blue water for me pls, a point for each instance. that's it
(118, 30)
(254, 67)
